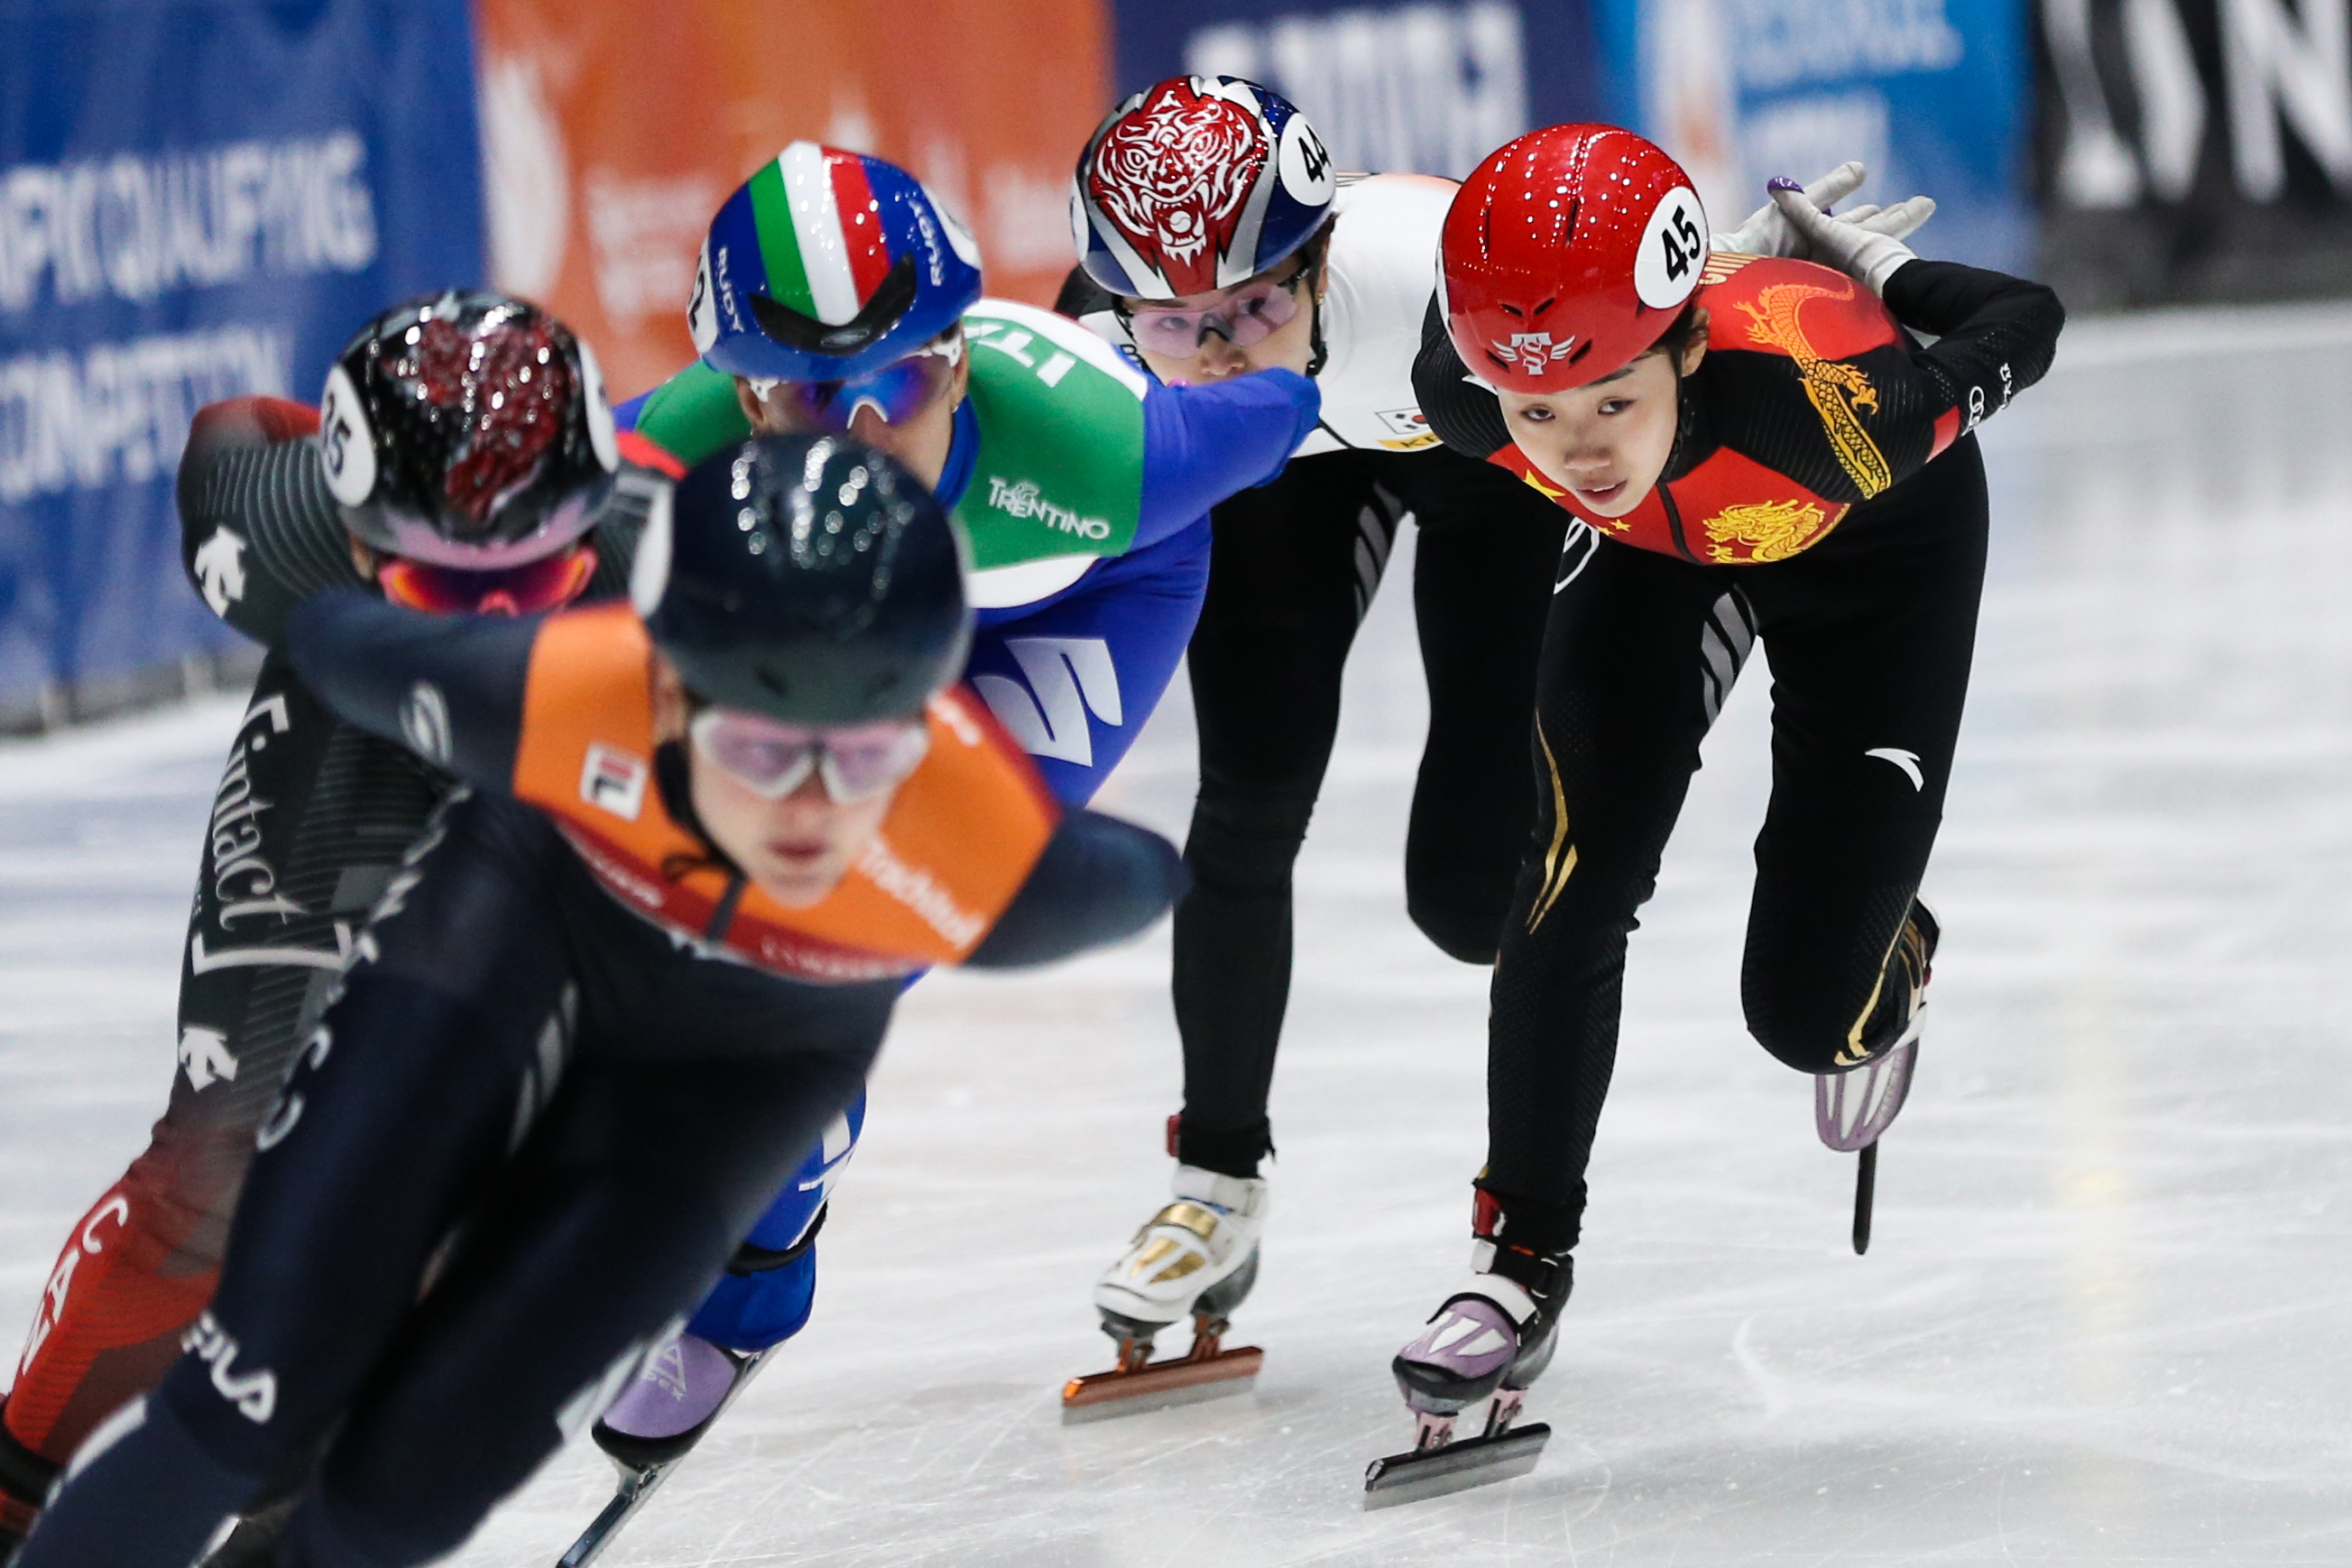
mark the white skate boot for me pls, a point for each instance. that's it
(1196, 1258)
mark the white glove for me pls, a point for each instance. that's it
(1896, 222)
(1767, 233)
(1857, 250)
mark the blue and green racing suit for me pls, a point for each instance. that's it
(1083, 485)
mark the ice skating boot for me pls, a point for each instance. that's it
(683, 1389)
(1196, 1258)
(672, 1402)
(1485, 1346)
(1854, 1106)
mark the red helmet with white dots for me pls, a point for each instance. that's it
(1566, 254)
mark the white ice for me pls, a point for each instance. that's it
(2105, 1317)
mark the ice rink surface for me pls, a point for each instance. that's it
(2104, 1320)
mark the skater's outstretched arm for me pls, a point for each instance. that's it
(448, 687)
(261, 533)
(1100, 880)
(1202, 443)
(1995, 334)
(258, 529)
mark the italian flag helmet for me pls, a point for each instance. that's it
(827, 265)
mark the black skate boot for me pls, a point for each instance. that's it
(1485, 1346)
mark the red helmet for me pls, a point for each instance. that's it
(1566, 254)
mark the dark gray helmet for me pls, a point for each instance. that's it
(809, 578)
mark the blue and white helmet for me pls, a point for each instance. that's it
(1196, 184)
(827, 265)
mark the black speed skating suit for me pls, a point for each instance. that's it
(1825, 495)
(536, 1122)
(312, 816)
(1292, 567)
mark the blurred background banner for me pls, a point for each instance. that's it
(613, 129)
(2196, 148)
(1426, 88)
(200, 198)
(197, 200)
(1934, 95)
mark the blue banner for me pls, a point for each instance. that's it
(198, 199)
(1424, 88)
(1935, 95)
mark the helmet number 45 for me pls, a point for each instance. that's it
(1666, 268)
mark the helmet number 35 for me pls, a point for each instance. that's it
(346, 444)
(1666, 268)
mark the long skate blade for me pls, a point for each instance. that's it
(1866, 1190)
(1457, 1467)
(637, 1485)
(1163, 1383)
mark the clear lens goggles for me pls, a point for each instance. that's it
(896, 392)
(856, 761)
(1246, 316)
(535, 586)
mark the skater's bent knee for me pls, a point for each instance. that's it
(1810, 1047)
(1467, 934)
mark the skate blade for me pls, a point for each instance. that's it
(1457, 1467)
(1161, 1385)
(637, 1485)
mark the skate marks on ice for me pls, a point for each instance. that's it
(2102, 1317)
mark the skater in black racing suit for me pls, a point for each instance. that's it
(311, 816)
(1754, 449)
(609, 1001)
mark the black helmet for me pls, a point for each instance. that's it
(468, 429)
(809, 578)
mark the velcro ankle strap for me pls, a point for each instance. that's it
(1506, 1293)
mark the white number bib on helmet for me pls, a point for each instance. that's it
(601, 437)
(346, 443)
(1306, 165)
(1673, 248)
(649, 572)
(701, 309)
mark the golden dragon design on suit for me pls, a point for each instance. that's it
(1835, 390)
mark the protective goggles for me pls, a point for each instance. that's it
(896, 392)
(535, 586)
(1248, 315)
(855, 762)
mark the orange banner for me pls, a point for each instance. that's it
(613, 129)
